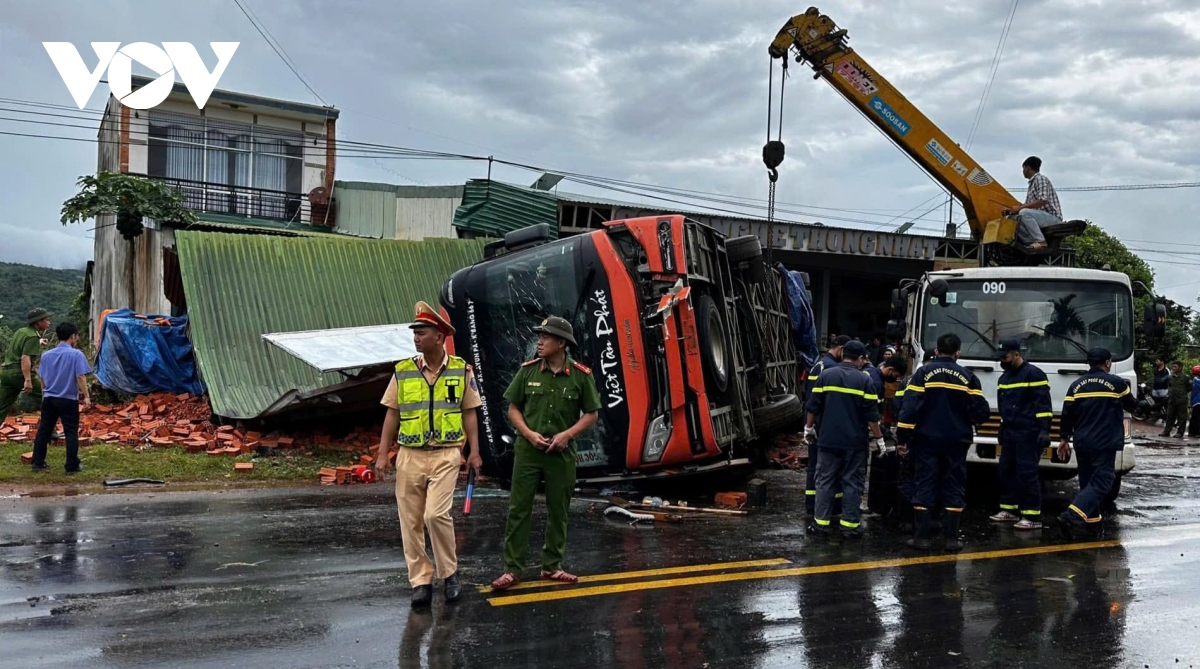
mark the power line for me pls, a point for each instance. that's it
(278, 49)
(995, 67)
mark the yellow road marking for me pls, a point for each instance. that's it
(666, 571)
(783, 573)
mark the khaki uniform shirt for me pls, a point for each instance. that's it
(25, 341)
(470, 399)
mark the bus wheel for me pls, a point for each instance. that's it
(714, 343)
(784, 412)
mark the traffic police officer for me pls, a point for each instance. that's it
(843, 405)
(552, 400)
(1023, 396)
(941, 403)
(431, 403)
(1094, 414)
(831, 359)
(19, 373)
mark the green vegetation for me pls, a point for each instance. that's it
(27, 287)
(173, 465)
(131, 198)
(1096, 248)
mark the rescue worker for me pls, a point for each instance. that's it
(906, 487)
(1093, 414)
(1023, 396)
(831, 359)
(877, 380)
(1194, 423)
(1179, 391)
(19, 372)
(551, 401)
(843, 406)
(431, 402)
(946, 400)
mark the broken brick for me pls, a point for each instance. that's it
(243, 466)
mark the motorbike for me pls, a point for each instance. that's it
(1149, 408)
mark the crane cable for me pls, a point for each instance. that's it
(773, 150)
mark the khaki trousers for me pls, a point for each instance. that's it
(425, 479)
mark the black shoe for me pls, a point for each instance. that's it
(422, 595)
(852, 533)
(453, 589)
(815, 530)
(40, 468)
(923, 524)
(950, 524)
(76, 470)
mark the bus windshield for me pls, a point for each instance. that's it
(1057, 320)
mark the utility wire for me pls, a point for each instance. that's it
(995, 67)
(278, 49)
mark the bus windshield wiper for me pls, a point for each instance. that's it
(982, 337)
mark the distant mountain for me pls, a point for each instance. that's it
(25, 287)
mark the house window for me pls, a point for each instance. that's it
(227, 164)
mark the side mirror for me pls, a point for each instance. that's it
(1155, 321)
(899, 304)
(896, 329)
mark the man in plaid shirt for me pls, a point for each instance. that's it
(1041, 208)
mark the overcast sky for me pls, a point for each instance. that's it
(670, 93)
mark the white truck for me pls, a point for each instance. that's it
(1059, 313)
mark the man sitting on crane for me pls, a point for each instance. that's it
(1041, 208)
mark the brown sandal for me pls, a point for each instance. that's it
(560, 576)
(506, 581)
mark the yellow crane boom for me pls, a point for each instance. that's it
(818, 41)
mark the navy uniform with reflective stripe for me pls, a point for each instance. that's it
(844, 402)
(906, 478)
(942, 402)
(827, 361)
(1023, 396)
(876, 377)
(1094, 415)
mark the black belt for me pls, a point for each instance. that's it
(427, 447)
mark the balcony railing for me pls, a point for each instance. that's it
(216, 198)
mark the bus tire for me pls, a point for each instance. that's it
(715, 349)
(745, 253)
(782, 413)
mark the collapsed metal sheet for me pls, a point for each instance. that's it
(347, 348)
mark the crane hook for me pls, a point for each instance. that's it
(772, 155)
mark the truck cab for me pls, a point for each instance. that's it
(1058, 312)
(686, 332)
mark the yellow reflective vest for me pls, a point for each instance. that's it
(430, 413)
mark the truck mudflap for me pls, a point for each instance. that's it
(986, 451)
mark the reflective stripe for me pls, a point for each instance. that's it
(820, 522)
(951, 386)
(1008, 507)
(954, 510)
(840, 389)
(920, 508)
(1031, 512)
(907, 426)
(869, 396)
(898, 393)
(413, 406)
(409, 374)
(849, 524)
(1047, 414)
(1078, 511)
(916, 389)
(1113, 396)
(1029, 384)
(810, 492)
(838, 496)
(972, 391)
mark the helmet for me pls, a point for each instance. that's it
(1196, 370)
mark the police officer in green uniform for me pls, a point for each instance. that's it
(552, 400)
(19, 371)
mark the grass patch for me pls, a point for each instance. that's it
(174, 465)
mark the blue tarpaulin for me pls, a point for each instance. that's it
(804, 325)
(146, 354)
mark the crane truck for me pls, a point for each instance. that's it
(1058, 311)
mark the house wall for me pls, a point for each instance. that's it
(424, 212)
(386, 211)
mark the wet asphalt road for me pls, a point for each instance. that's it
(314, 578)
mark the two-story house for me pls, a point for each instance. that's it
(243, 162)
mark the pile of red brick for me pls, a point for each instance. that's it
(165, 420)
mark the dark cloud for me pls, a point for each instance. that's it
(675, 93)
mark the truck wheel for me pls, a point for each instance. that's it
(1140, 414)
(781, 414)
(745, 253)
(714, 344)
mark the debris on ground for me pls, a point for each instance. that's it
(243, 466)
(788, 452)
(732, 500)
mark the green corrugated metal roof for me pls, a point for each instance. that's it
(240, 287)
(496, 209)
